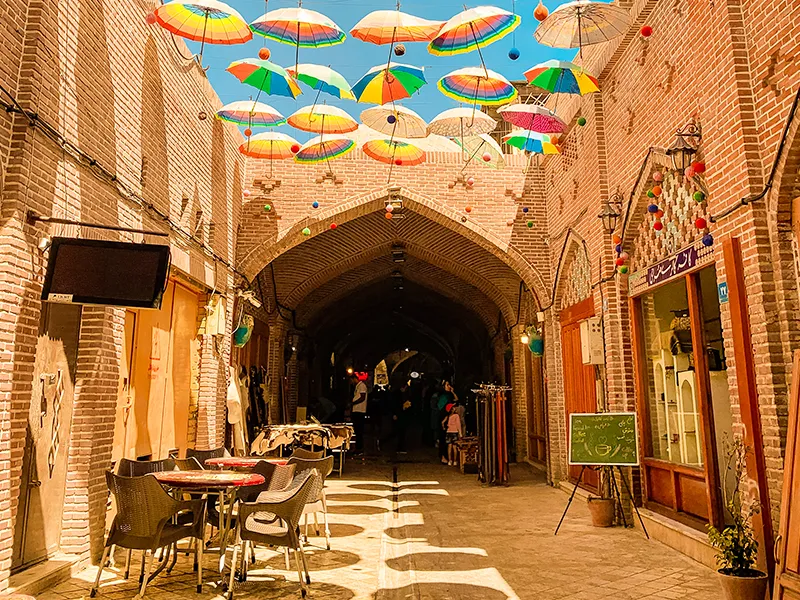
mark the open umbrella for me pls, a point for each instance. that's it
(251, 114)
(204, 21)
(533, 118)
(322, 119)
(266, 76)
(321, 149)
(480, 147)
(388, 83)
(530, 141)
(394, 27)
(558, 76)
(395, 120)
(478, 85)
(461, 122)
(582, 23)
(395, 152)
(322, 79)
(271, 146)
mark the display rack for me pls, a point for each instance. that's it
(492, 433)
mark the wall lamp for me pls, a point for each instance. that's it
(685, 145)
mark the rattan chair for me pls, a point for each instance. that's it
(318, 503)
(145, 520)
(203, 455)
(189, 464)
(137, 468)
(307, 454)
(273, 520)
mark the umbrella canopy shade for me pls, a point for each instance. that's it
(395, 152)
(476, 146)
(533, 118)
(251, 114)
(473, 29)
(271, 145)
(582, 23)
(298, 27)
(557, 76)
(206, 21)
(265, 76)
(459, 122)
(396, 121)
(322, 119)
(393, 27)
(479, 86)
(530, 141)
(387, 83)
(318, 149)
(322, 78)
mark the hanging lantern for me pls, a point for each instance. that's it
(536, 342)
(242, 334)
(681, 151)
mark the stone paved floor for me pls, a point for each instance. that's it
(440, 535)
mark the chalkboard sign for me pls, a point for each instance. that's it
(608, 439)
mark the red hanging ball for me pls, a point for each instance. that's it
(616, 239)
(333, 226)
(248, 132)
(699, 166)
(388, 215)
(487, 157)
(659, 213)
(700, 223)
(150, 18)
(468, 209)
(264, 54)
(646, 31)
(540, 13)
(295, 148)
(398, 162)
(658, 226)
(619, 262)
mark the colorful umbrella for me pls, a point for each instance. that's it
(530, 141)
(582, 23)
(395, 120)
(318, 149)
(460, 122)
(394, 152)
(479, 86)
(251, 114)
(394, 27)
(270, 145)
(387, 83)
(480, 147)
(323, 79)
(322, 119)
(266, 76)
(473, 29)
(533, 118)
(558, 76)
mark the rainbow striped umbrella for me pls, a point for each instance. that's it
(473, 29)
(533, 118)
(394, 152)
(266, 76)
(318, 149)
(322, 119)
(395, 27)
(207, 21)
(478, 85)
(251, 114)
(558, 76)
(322, 79)
(387, 83)
(298, 27)
(270, 145)
(530, 141)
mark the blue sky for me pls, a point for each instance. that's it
(353, 58)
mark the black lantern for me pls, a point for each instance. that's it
(684, 147)
(612, 210)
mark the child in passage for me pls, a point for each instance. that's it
(452, 426)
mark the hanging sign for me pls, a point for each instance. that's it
(689, 259)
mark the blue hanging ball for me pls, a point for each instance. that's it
(525, 209)
(708, 240)
(315, 204)
(652, 209)
(391, 119)
(618, 248)
(513, 54)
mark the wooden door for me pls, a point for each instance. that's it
(37, 529)
(537, 433)
(580, 392)
(787, 569)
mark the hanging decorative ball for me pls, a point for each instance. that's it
(463, 219)
(529, 224)
(246, 193)
(581, 121)
(659, 213)
(652, 209)
(295, 148)
(486, 157)
(658, 226)
(388, 215)
(699, 166)
(248, 132)
(624, 256)
(699, 196)
(623, 269)
(700, 223)
(399, 50)
(513, 54)
(554, 140)
(540, 13)
(306, 231)
(202, 115)
(619, 262)
(315, 204)
(471, 181)
(264, 54)
(389, 208)
(658, 176)
(689, 172)
(708, 240)
(646, 31)
(391, 119)
(510, 222)
(657, 190)
(267, 207)
(468, 209)
(150, 18)
(651, 194)
(398, 162)
(615, 238)
(618, 248)
(334, 225)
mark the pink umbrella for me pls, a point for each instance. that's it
(533, 118)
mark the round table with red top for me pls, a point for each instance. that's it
(242, 462)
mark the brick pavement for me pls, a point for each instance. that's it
(438, 534)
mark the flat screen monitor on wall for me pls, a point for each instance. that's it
(106, 273)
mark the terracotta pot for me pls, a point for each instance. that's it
(751, 587)
(602, 510)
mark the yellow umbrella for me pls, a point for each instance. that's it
(322, 119)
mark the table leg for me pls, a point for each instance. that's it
(225, 520)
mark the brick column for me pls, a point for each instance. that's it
(556, 411)
(519, 394)
(277, 339)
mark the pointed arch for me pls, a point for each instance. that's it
(575, 254)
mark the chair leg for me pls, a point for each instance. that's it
(174, 558)
(128, 563)
(306, 531)
(286, 555)
(325, 519)
(233, 570)
(149, 560)
(198, 557)
(252, 553)
(305, 565)
(303, 590)
(141, 573)
(316, 524)
(106, 553)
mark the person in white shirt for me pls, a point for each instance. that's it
(359, 412)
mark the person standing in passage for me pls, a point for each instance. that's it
(446, 396)
(359, 412)
(452, 426)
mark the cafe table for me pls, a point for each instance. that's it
(225, 484)
(242, 462)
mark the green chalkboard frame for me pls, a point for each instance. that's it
(632, 415)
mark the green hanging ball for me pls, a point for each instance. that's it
(267, 207)
(581, 121)
(623, 269)
(306, 231)
(699, 196)
(651, 194)
(529, 224)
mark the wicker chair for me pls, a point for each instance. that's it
(188, 464)
(318, 503)
(307, 454)
(145, 520)
(274, 520)
(137, 468)
(203, 455)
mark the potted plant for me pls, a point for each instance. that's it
(602, 507)
(736, 546)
